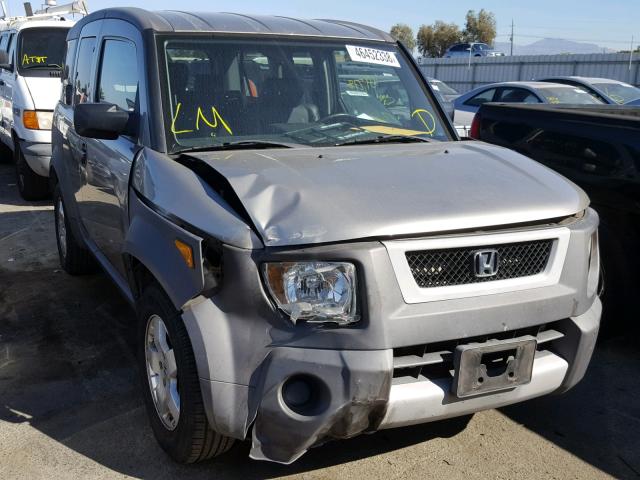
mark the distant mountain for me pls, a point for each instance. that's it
(552, 46)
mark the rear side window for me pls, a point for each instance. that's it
(119, 75)
(82, 81)
(517, 95)
(482, 97)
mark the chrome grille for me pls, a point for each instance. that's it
(455, 266)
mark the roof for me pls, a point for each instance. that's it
(22, 25)
(586, 79)
(177, 21)
(531, 84)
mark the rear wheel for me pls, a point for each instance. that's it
(171, 386)
(30, 185)
(74, 259)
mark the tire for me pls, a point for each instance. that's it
(168, 371)
(6, 155)
(74, 258)
(30, 185)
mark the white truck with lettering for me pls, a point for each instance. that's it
(32, 49)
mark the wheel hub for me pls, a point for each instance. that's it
(162, 372)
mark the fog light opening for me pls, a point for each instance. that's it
(305, 395)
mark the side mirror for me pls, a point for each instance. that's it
(5, 62)
(103, 121)
(68, 94)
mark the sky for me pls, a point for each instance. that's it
(609, 23)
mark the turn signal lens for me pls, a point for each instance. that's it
(37, 119)
(30, 120)
(186, 252)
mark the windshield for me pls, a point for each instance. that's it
(571, 95)
(481, 46)
(314, 93)
(619, 92)
(41, 49)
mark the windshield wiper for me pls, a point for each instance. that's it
(50, 66)
(385, 139)
(241, 145)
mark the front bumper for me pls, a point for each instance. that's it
(365, 394)
(37, 156)
(246, 350)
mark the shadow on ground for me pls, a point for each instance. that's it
(599, 420)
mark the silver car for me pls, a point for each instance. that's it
(613, 92)
(310, 252)
(472, 50)
(467, 105)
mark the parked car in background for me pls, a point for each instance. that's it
(31, 61)
(445, 94)
(468, 104)
(308, 261)
(472, 50)
(613, 92)
(598, 148)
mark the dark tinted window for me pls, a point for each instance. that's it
(41, 48)
(517, 95)
(119, 74)
(82, 77)
(482, 97)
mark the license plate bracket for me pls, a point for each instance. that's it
(493, 366)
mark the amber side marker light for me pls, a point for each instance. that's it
(30, 120)
(186, 252)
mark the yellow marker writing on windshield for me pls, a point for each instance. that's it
(430, 118)
(214, 123)
(173, 122)
(31, 59)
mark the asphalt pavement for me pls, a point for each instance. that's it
(70, 404)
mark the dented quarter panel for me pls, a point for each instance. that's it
(317, 195)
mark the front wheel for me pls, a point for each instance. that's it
(171, 386)
(30, 185)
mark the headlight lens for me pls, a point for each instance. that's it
(314, 291)
(37, 120)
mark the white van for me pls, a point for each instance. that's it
(32, 50)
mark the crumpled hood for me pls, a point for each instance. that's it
(316, 195)
(45, 91)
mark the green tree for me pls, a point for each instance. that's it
(433, 40)
(480, 27)
(404, 34)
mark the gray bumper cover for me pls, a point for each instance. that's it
(364, 397)
(38, 156)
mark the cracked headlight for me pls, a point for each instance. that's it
(316, 292)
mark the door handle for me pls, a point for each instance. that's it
(83, 153)
(2, 84)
